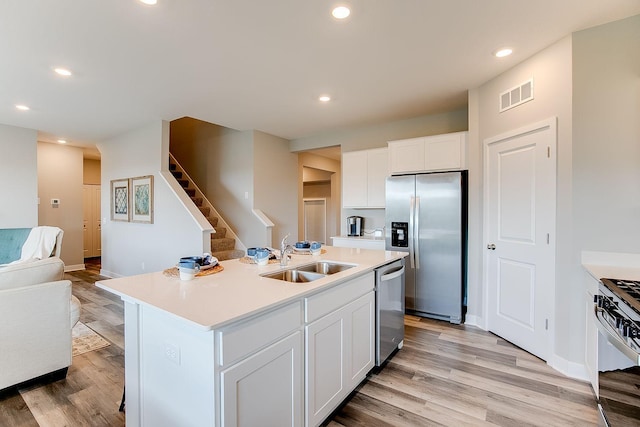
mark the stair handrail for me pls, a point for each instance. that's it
(238, 244)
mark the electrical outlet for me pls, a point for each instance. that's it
(172, 353)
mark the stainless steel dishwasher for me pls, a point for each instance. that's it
(389, 309)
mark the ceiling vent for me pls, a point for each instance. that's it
(516, 95)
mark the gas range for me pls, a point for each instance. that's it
(617, 317)
(628, 291)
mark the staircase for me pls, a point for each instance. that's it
(223, 247)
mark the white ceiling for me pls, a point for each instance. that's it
(261, 64)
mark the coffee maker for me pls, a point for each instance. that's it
(355, 226)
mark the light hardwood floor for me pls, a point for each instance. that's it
(445, 375)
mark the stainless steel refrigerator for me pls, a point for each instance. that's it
(426, 215)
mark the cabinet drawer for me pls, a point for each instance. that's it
(325, 302)
(239, 341)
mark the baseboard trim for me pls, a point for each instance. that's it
(109, 274)
(474, 321)
(573, 370)
(74, 267)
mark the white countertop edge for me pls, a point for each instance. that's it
(611, 265)
(120, 286)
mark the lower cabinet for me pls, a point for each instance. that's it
(266, 388)
(339, 353)
(591, 338)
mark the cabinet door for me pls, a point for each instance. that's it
(360, 338)
(354, 179)
(325, 366)
(340, 353)
(591, 338)
(406, 155)
(377, 171)
(266, 388)
(443, 152)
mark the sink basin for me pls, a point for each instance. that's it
(325, 267)
(294, 275)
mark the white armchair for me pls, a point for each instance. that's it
(37, 312)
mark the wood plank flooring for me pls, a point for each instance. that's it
(445, 375)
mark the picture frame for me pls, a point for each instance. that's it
(120, 200)
(142, 199)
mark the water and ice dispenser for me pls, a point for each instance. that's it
(400, 234)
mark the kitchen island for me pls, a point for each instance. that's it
(237, 348)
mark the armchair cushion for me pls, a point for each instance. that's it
(30, 273)
(11, 241)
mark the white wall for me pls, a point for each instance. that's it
(606, 167)
(133, 248)
(60, 170)
(606, 150)
(376, 135)
(275, 185)
(18, 177)
(551, 70)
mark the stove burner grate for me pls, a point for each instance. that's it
(627, 290)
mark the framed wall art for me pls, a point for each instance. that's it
(120, 200)
(142, 199)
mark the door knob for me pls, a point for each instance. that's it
(491, 247)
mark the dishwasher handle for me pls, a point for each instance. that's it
(393, 275)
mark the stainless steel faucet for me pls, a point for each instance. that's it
(284, 249)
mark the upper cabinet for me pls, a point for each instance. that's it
(429, 153)
(363, 178)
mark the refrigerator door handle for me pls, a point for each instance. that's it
(410, 236)
(416, 233)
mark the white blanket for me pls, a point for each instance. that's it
(40, 243)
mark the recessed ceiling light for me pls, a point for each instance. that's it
(22, 107)
(340, 12)
(151, 2)
(62, 72)
(325, 98)
(62, 141)
(501, 53)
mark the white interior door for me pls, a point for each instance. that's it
(92, 239)
(315, 220)
(520, 193)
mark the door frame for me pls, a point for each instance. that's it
(323, 200)
(550, 123)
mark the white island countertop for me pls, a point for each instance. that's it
(238, 292)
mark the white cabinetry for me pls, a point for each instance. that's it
(591, 339)
(262, 385)
(363, 178)
(339, 345)
(430, 153)
(265, 388)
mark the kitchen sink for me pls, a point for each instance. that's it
(309, 272)
(294, 275)
(325, 267)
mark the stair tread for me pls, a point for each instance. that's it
(229, 254)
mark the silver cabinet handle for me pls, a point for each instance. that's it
(491, 247)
